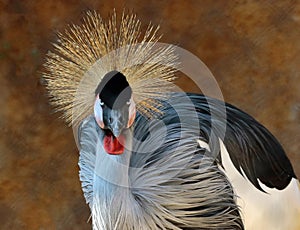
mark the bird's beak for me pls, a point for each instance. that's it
(114, 138)
(117, 121)
(117, 129)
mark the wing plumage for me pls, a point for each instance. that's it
(166, 161)
(253, 150)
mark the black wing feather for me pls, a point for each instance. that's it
(261, 155)
(252, 148)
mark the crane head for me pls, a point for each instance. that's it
(114, 110)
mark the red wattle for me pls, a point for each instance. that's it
(113, 145)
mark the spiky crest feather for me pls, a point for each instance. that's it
(84, 54)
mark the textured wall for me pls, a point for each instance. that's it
(252, 48)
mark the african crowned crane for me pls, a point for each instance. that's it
(149, 158)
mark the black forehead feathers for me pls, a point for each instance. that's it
(114, 89)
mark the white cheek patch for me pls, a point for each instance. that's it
(98, 113)
(132, 113)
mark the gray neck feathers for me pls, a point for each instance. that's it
(164, 188)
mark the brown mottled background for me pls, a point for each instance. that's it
(252, 48)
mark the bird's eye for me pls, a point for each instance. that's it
(101, 103)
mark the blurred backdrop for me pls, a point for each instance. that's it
(251, 47)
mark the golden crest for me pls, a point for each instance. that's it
(84, 53)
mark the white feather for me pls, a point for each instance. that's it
(275, 209)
